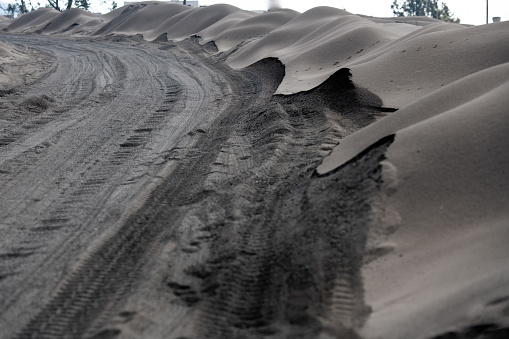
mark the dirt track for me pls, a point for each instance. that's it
(149, 191)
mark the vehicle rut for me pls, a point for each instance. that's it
(70, 173)
(168, 196)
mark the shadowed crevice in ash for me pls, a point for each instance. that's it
(357, 106)
(484, 331)
(270, 70)
(389, 139)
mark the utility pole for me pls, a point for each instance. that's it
(486, 12)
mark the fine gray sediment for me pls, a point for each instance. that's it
(149, 191)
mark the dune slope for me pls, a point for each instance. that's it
(441, 217)
(360, 190)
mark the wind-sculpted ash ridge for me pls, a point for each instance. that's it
(388, 56)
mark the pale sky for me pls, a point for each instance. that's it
(469, 11)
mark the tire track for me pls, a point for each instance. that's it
(118, 142)
(274, 280)
(188, 206)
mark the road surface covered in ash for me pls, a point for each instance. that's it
(149, 191)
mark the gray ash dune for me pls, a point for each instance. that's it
(241, 175)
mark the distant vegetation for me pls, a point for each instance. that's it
(428, 8)
(24, 6)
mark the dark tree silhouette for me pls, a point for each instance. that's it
(428, 8)
(21, 7)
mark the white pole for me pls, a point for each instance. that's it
(486, 12)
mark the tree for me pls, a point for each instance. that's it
(15, 8)
(423, 8)
(56, 5)
(20, 7)
(11, 9)
(82, 4)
